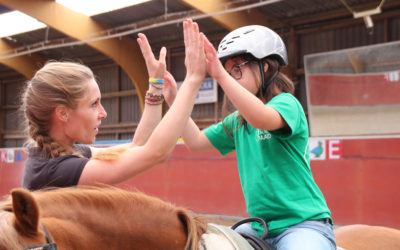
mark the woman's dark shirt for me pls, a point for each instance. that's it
(63, 171)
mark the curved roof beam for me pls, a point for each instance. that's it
(25, 65)
(231, 20)
(124, 51)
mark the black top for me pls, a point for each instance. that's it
(64, 171)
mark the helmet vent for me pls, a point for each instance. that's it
(249, 31)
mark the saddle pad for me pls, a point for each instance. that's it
(222, 237)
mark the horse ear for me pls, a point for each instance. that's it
(26, 212)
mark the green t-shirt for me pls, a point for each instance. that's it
(274, 167)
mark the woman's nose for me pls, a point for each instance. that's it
(103, 113)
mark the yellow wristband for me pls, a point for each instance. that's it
(156, 80)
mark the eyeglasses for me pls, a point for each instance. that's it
(236, 72)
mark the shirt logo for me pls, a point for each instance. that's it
(262, 135)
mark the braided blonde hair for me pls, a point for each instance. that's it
(55, 84)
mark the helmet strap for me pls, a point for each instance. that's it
(264, 84)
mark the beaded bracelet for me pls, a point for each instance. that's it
(153, 99)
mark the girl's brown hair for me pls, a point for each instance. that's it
(281, 83)
(55, 84)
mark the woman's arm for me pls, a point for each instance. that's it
(152, 113)
(163, 140)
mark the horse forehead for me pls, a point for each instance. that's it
(8, 234)
(5, 218)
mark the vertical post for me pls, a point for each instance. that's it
(2, 111)
(118, 99)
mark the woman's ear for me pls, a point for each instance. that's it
(61, 113)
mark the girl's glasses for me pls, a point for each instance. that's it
(236, 72)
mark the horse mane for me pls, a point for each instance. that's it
(104, 196)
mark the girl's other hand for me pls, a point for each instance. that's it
(214, 65)
(170, 88)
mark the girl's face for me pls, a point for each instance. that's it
(249, 72)
(84, 121)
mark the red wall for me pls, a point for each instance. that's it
(360, 187)
(353, 90)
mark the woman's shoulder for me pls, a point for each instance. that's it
(83, 149)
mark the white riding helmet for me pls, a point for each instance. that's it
(259, 41)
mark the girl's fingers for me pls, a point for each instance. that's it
(208, 47)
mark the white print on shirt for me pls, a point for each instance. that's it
(262, 135)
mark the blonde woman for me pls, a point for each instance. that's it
(62, 104)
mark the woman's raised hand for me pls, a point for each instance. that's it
(156, 68)
(195, 60)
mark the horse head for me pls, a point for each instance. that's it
(95, 218)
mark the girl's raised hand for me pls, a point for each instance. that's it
(170, 88)
(156, 68)
(195, 61)
(214, 65)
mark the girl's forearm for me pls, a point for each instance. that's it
(249, 106)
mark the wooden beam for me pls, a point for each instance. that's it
(231, 20)
(356, 62)
(26, 65)
(2, 113)
(124, 51)
(339, 14)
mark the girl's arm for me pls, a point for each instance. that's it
(249, 106)
(194, 138)
(163, 140)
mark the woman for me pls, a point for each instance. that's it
(62, 106)
(269, 132)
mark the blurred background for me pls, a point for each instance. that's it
(344, 57)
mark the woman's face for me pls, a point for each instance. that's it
(250, 76)
(84, 121)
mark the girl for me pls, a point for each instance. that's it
(62, 106)
(269, 132)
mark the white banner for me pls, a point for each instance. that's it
(208, 92)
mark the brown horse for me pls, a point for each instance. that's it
(95, 218)
(111, 218)
(364, 237)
